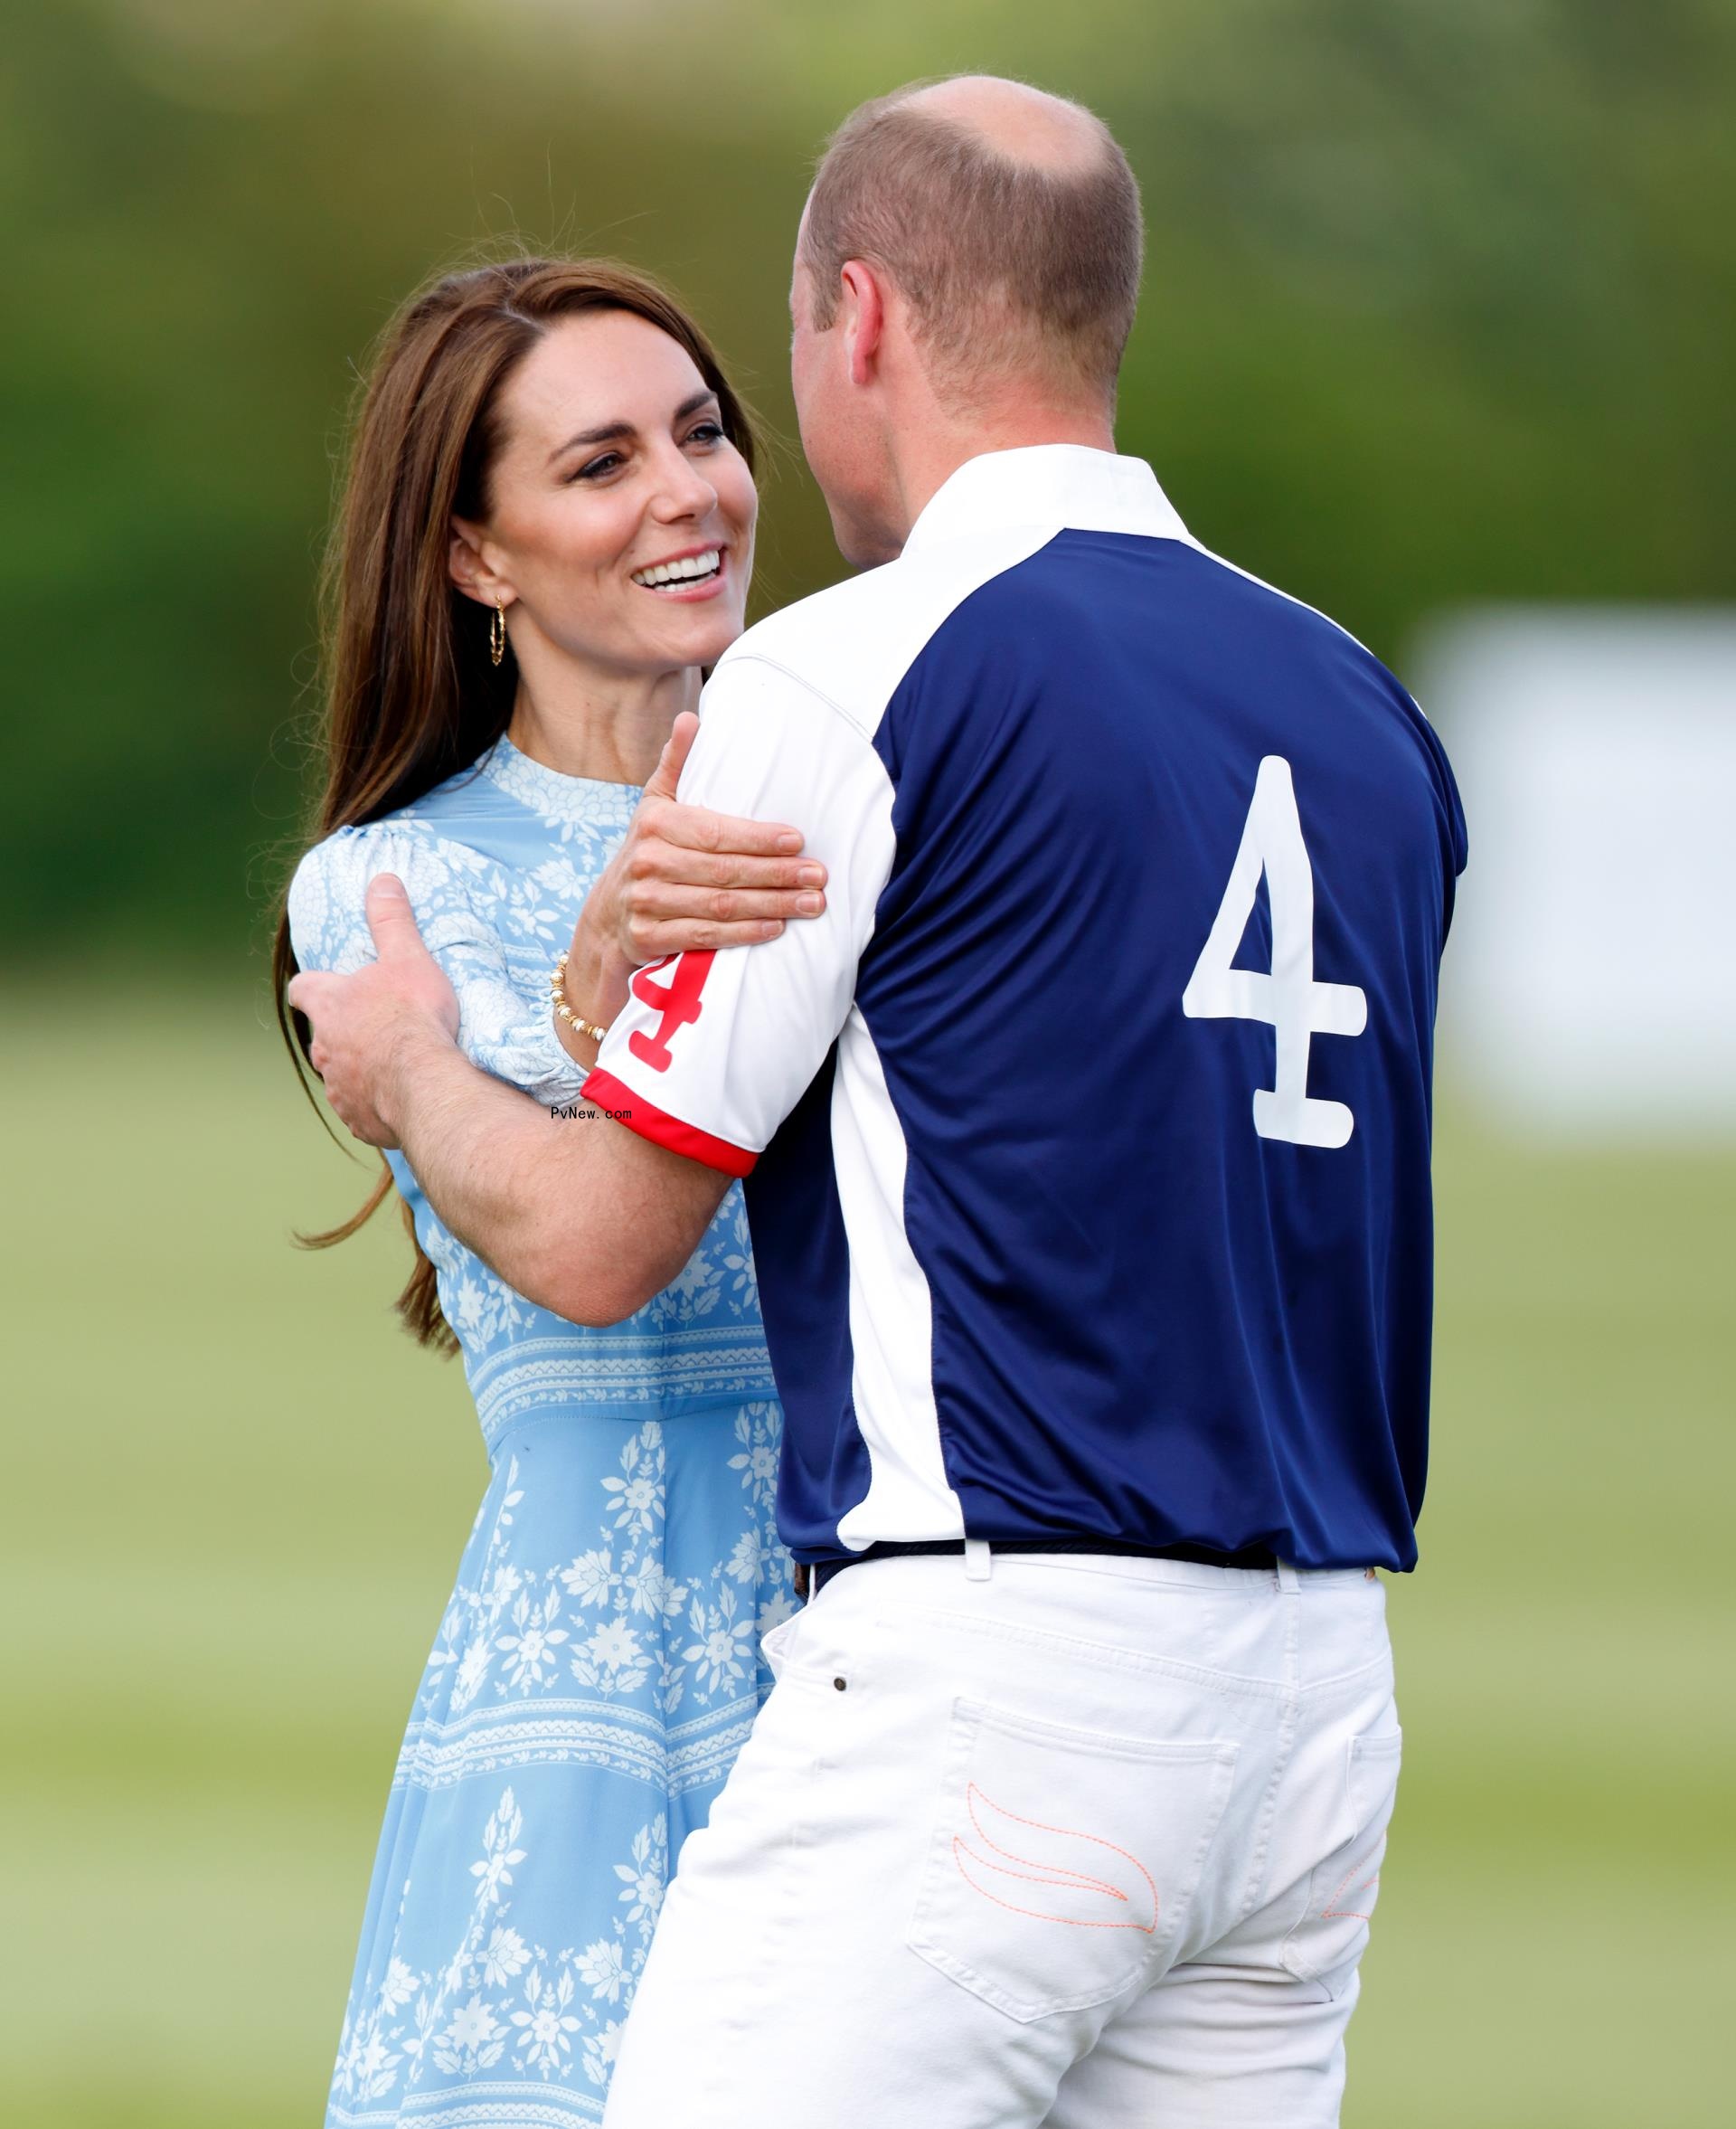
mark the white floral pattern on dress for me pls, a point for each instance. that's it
(498, 1993)
(600, 1617)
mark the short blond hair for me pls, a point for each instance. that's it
(1008, 266)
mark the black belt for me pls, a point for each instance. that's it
(1248, 1555)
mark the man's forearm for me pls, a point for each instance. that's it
(482, 1152)
(578, 1213)
(589, 1222)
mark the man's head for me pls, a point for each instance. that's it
(965, 278)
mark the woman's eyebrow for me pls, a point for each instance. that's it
(610, 432)
(613, 431)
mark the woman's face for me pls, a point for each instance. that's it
(620, 525)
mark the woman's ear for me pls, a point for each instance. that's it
(467, 564)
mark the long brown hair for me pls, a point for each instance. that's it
(411, 695)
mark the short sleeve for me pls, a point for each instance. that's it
(714, 1050)
(498, 1030)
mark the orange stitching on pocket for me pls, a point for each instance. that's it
(1333, 1912)
(1058, 1876)
(1054, 1869)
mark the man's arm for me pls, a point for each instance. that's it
(578, 1215)
(707, 1055)
(576, 1212)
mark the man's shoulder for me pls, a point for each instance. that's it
(811, 643)
(851, 644)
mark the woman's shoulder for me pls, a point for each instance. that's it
(328, 891)
(347, 847)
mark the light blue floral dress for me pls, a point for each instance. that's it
(598, 1664)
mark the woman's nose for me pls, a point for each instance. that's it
(683, 491)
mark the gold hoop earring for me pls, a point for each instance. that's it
(497, 632)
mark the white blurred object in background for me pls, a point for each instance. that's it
(1589, 987)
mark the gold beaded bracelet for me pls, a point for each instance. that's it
(563, 1011)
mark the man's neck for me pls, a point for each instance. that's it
(923, 463)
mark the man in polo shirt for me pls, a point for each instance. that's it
(1087, 1146)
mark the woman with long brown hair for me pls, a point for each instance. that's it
(546, 536)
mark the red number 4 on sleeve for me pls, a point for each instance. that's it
(676, 1001)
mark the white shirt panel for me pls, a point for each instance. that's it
(891, 1313)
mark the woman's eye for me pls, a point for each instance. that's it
(707, 432)
(596, 468)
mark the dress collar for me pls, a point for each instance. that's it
(547, 791)
(1065, 484)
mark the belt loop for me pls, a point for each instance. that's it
(976, 1559)
(1288, 1585)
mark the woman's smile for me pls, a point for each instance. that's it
(690, 574)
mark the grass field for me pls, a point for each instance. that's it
(235, 1498)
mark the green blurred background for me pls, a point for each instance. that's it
(1438, 309)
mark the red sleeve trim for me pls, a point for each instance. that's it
(631, 1108)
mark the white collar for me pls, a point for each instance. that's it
(1066, 485)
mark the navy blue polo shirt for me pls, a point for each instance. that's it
(1087, 1135)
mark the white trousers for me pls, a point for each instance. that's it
(1041, 1840)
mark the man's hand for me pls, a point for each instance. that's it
(686, 880)
(368, 1027)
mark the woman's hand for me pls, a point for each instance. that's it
(685, 879)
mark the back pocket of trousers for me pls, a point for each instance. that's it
(1062, 1861)
(1327, 1943)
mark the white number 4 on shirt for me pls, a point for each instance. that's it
(1289, 1000)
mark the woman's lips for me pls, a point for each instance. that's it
(693, 591)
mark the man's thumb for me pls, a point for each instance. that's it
(392, 919)
(673, 758)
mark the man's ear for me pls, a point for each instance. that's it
(467, 564)
(862, 313)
